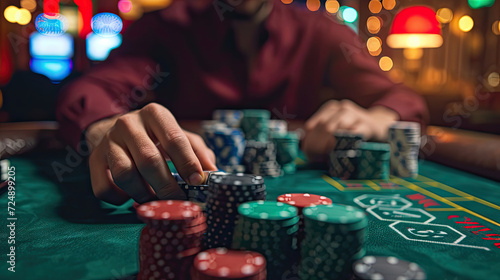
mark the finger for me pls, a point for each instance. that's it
(204, 154)
(323, 114)
(174, 142)
(363, 129)
(343, 119)
(146, 156)
(126, 176)
(102, 182)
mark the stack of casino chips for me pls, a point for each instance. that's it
(260, 159)
(212, 125)
(232, 118)
(343, 159)
(334, 238)
(373, 161)
(269, 228)
(277, 126)
(404, 138)
(301, 201)
(197, 193)
(171, 238)
(287, 149)
(228, 145)
(226, 192)
(255, 124)
(221, 263)
(390, 268)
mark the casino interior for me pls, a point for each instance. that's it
(447, 51)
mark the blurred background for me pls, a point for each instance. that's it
(454, 67)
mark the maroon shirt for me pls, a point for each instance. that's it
(187, 60)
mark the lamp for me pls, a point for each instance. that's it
(415, 27)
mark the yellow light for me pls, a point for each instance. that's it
(373, 44)
(466, 23)
(385, 63)
(444, 15)
(494, 79)
(29, 5)
(10, 13)
(413, 54)
(152, 5)
(414, 41)
(373, 24)
(313, 5)
(23, 16)
(389, 4)
(332, 6)
(287, 1)
(496, 27)
(375, 6)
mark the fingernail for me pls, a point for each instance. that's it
(195, 179)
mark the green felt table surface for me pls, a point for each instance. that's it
(445, 220)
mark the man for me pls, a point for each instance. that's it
(195, 57)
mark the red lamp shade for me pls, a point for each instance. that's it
(415, 27)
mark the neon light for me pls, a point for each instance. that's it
(51, 47)
(106, 24)
(98, 47)
(51, 7)
(54, 69)
(51, 24)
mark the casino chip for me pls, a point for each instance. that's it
(386, 268)
(373, 161)
(278, 127)
(344, 158)
(404, 139)
(260, 159)
(255, 124)
(171, 238)
(232, 118)
(334, 238)
(221, 263)
(269, 228)
(287, 149)
(226, 192)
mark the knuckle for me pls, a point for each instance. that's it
(150, 159)
(188, 166)
(176, 138)
(125, 122)
(122, 172)
(154, 109)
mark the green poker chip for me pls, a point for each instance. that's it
(255, 124)
(267, 210)
(337, 214)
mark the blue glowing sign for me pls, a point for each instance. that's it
(51, 47)
(106, 24)
(55, 69)
(98, 47)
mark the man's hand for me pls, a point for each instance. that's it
(129, 151)
(345, 115)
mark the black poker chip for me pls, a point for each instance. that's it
(386, 268)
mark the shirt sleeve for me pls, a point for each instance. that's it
(354, 74)
(124, 81)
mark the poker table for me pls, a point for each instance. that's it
(446, 220)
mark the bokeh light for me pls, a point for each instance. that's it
(29, 5)
(350, 14)
(106, 24)
(313, 5)
(374, 44)
(375, 6)
(385, 63)
(389, 4)
(466, 23)
(476, 4)
(444, 15)
(134, 13)
(124, 6)
(413, 54)
(23, 16)
(10, 13)
(332, 6)
(287, 1)
(373, 24)
(496, 27)
(494, 79)
(51, 24)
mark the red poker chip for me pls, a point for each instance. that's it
(303, 200)
(224, 263)
(169, 210)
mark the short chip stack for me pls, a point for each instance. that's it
(287, 149)
(301, 201)
(228, 145)
(232, 118)
(255, 124)
(373, 161)
(269, 228)
(221, 263)
(388, 268)
(171, 238)
(277, 126)
(404, 138)
(343, 159)
(335, 235)
(226, 193)
(260, 159)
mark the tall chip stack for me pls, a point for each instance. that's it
(228, 145)
(404, 139)
(301, 201)
(226, 192)
(255, 124)
(344, 158)
(335, 235)
(232, 118)
(373, 161)
(260, 159)
(170, 240)
(221, 263)
(269, 228)
(287, 149)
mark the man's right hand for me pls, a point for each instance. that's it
(128, 155)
